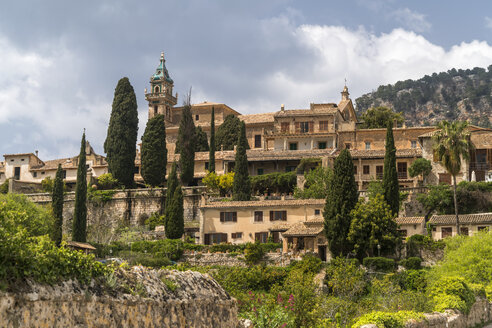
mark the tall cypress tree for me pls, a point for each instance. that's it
(172, 184)
(79, 230)
(342, 198)
(241, 186)
(57, 205)
(211, 156)
(154, 151)
(186, 140)
(390, 176)
(174, 216)
(120, 145)
(201, 142)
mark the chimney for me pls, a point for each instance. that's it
(282, 107)
(36, 152)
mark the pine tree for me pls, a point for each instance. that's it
(79, 230)
(201, 142)
(211, 157)
(186, 140)
(57, 205)
(342, 198)
(390, 176)
(120, 144)
(174, 216)
(241, 188)
(154, 151)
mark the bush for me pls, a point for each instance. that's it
(145, 259)
(4, 187)
(452, 293)
(412, 263)
(309, 264)
(273, 182)
(387, 319)
(47, 184)
(380, 264)
(253, 253)
(155, 220)
(345, 279)
(106, 181)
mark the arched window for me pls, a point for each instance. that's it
(155, 110)
(157, 89)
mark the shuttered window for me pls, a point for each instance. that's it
(228, 216)
(278, 215)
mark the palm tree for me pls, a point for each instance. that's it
(451, 144)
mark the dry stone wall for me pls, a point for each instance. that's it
(155, 299)
(125, 207)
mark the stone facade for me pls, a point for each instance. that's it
(158, 299)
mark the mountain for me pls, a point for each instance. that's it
(452, 95)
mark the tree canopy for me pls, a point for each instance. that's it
(317, 183)
(121, 141)
(241, 187)
(227, 135)
(379, 117)
(57, 206)
(390, 175)
(187, 145)
(211, 159)
(154, 151)
(79, 230)
(174, 212)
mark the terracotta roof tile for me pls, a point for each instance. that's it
(264, 203)
(379, 153)
(410, 220)
(257, 118)
(303, 229)
(482, 139)
(464, 219)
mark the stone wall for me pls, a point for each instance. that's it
(126, 207)
(157, 299)
(233, 259)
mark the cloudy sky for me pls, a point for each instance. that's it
(60, 60)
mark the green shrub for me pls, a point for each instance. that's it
(253, 253)
(155, 220)
(4, 187)
(309, 264)
(452, 293)
(47, 184)
(412, 263)
(387, 319)
(345, 279)
(145, 259)
(273, 182)
(106, 181)
(167, 248)
(379, 264)
(99, 197)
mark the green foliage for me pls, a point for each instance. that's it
(253, 253)
(452, 293)
(145, 259)
(345, 279)
(154, 152)
(388, 319)
(264, 313)
(99, 197)
(372, 225)
(172, 185)
(57, 206)
(241, 187)
(412, 263)
(380, 117)
(175, 216)
(4, 187)
(201, 143)
(379, 264)
(273, 182)
(342, 198)
(228, 132)
(106, 181)
(79, 229)
(390, 176)
(219, 183)
(155, 220)
(187, 145)
(438, 198)
(308, 163)
(420, 166)
(46, 184)
(317, 183)
(121, 140)
(416, 243)
(211, 157)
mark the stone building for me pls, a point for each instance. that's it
(445, 225)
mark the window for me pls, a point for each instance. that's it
(317, 212)
(304, 127)
(323, 125)
(290, 168)
(259, 171)
(355, 169)
(368, 145)
(413, 143)
(483, 228)
(258, 216)
(136, 169)
(446, 232)
(284, 127)
(22, 159)
(402, 170)
(228, 216)
(347, 146)
(197, 117)
(237, 235)
(379, 172)
(261, 237)
(42, 173)
(215, 238)
(157, 89)
(276, 236)
(322, 145)
(258, 141)
(278, 215)
(156, 110)
(445, 178)
(464, 231)
(402, 232)
(206, 166)
(17, 173)
(293, 146)
(35, 174)
(366, 169)
(64, 174)
(12, 160)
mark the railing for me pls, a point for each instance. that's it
(480, 166)
(402, 175)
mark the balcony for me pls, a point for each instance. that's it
(480, 166)
(402, 175)
(156, 95)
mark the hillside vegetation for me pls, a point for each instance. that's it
(452, 95)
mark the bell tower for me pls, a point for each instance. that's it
(160, 97)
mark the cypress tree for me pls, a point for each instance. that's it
(241, 187)
(79, 230)
(228, 133)
(341, 199)
(154, 151)
(120, 145)
(211, 156)
(57, 205)
(390, 176)
(175, 218)
(201, 142)
(172, 184)
(186, 140)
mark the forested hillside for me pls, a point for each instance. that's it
(452, 95)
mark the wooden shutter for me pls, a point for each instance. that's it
(207, 239)
(271, 216)
(298, 127)
(223, 238)
(234, 216)
(284, 215)
(311, 126)
(222, 216)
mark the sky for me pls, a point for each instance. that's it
(60, 61)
